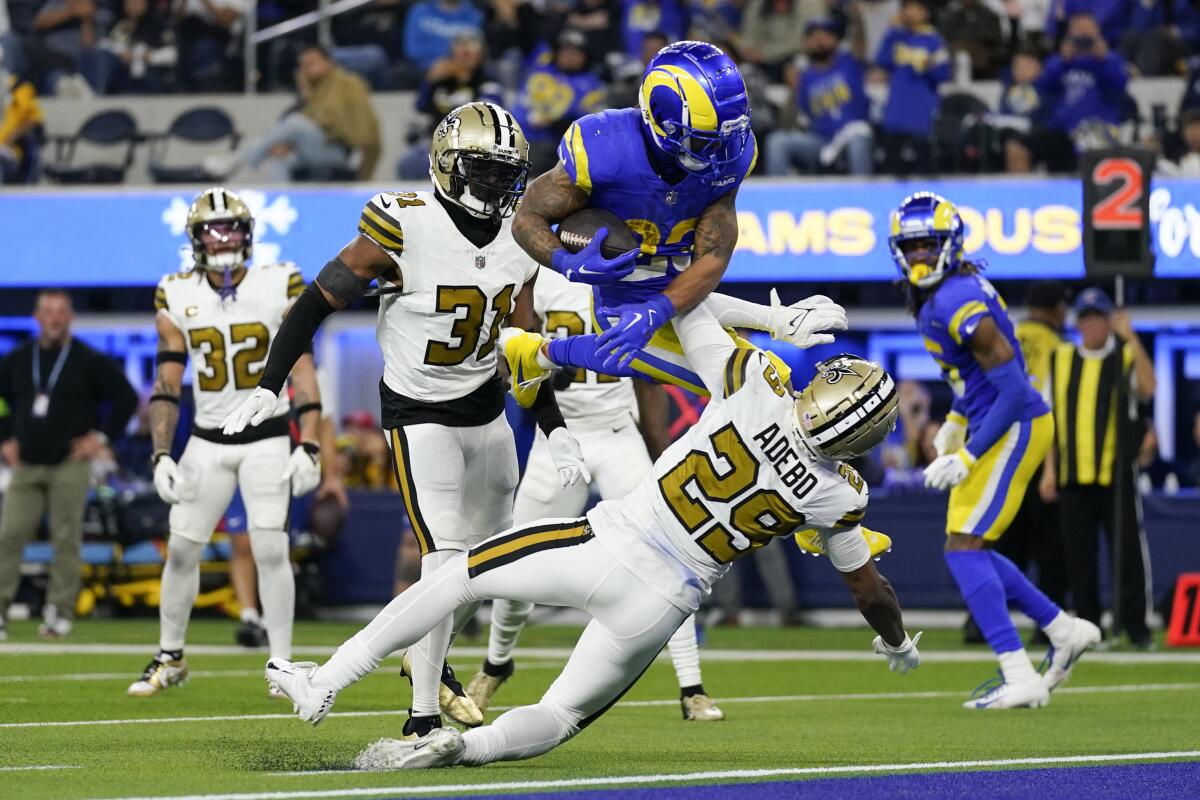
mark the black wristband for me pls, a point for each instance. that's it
(169, 357)
(312, 448)
(165, 398)
(296, 333)
(307, 407)
(154, 458)
(546, 411)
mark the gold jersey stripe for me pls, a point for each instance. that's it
(851, 519)
(735, 370)
(513, 549)
(160, 299)
(295, 286)
(967, 310)
(376, 227)
(583, 174)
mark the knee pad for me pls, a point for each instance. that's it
(183, 552)
(270, 547)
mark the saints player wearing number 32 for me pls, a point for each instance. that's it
(449, 275)
(761, 462)
(224, 314)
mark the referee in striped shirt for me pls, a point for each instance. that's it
(1082, 468)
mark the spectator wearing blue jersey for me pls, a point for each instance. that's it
(829, 94)
(1161, 36)
(1084, 85)
(915, 60)
(639, 17)
(556, 93)
(432, 26)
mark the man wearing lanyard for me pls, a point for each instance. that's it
(51, 389)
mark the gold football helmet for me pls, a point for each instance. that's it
(221, 229)
(479, 159)
(848, 409)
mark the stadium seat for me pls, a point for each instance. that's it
(113, 130)
(305, 174)
(195, 128)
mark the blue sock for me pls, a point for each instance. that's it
(980, 586)
(580, 352)
(1020, 590)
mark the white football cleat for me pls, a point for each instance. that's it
(441, 747)
(1023, 694)
(311, 702)
(700, 708)
(1084, 637)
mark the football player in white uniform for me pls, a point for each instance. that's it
(224, 313)
(761, 462)
(599, 411)
(449, 274)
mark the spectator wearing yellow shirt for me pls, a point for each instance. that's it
(22, 116)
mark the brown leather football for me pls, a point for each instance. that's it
(576, 232)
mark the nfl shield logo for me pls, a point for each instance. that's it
(480, 262)
(672, 198)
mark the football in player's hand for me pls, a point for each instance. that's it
(576, 232)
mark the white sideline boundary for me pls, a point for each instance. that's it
(706, 654)
(40, 767)
(684, 778)
(787, 698)
(200, 673)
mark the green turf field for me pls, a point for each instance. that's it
(786, 710)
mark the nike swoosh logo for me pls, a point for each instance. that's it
(385, 202)
(636, 319)
(419, 745)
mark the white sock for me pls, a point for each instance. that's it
(508, 619)
(349, 663)
(521, 733)
(250, 615)
(1060, 628)
(428, 654)
(1016, 667)
(180, 583)
(276, 588)
(685, 653)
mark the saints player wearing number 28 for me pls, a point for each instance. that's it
(998, 433)
(761, 462)
(449, 275)
(224, 313)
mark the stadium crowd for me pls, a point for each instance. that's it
(838, 86)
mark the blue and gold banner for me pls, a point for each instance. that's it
(789, 231)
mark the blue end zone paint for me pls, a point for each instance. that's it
(1141, 781)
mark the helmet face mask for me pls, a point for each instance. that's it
(926, 239)
(221, 230)
(479, 160)
(695, 107)
(848, 409)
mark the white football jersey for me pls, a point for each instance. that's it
(592, 400)
(438, 334)
(228, 340)
(737, 478)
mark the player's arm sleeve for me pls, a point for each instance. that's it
(573, 155)
(846, 548)
(710, 351)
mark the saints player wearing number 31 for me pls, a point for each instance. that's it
(224, 314)
(761, 462)
(449, 275)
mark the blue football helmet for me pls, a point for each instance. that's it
(695, 106)
(927, 216)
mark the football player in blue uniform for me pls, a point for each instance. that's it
(997, 434)
(671, 170)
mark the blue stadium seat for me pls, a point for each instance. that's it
(206, 125)
(113, 130)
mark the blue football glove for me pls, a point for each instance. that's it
(632, 330)
(590, 266)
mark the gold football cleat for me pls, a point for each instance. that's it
(521, 352)
(483, 686)
(810, 542)
(700, 708)
(160, 674)
(453, 701)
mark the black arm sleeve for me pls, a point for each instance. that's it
(114, 386)
(545, 409)
(295, 337)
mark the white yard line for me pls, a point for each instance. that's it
(786, 698)
(685, 778)
(39, 767)
(195, 673)
(863, 654)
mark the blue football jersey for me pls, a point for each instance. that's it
(947, 321)
(605, 156)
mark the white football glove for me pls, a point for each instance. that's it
(303, 470)
(800, 323)
(166, 479)
(254, 410)
(948, 471)
(568, 458)
(950, 437)
(902, 659)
